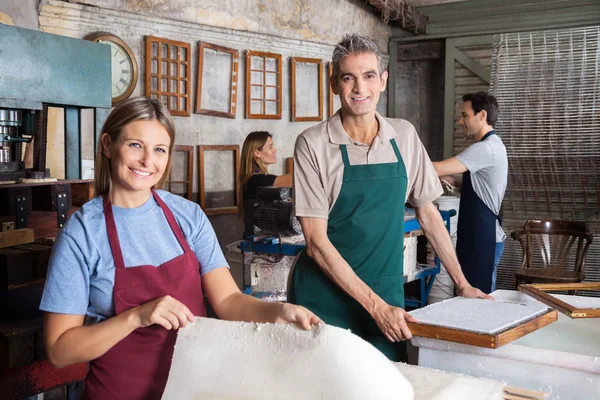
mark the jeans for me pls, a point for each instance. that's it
(498, 255)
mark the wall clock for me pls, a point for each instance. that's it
(124, 65)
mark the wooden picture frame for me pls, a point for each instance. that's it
(295, 63)
(201, 182)
(539, 292)
(263, 85)
(331, 106)
(168, 72)
(190, 171)
(203, 49)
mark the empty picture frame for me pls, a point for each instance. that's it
(214, 172)
(263, 85)
(307, 89)
(582, 310)
(182, 172)
(334, 99)
(216, 94)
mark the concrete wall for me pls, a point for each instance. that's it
(420, 100)
(292, 28)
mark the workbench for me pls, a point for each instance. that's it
(425, 274)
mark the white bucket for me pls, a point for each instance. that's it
(445, 203)
(443, 287)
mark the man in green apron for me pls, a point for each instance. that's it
(352, 176)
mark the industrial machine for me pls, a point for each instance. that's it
(39, 71)
(272, 213)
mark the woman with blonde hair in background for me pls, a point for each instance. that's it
(137, 261)
(258, 152)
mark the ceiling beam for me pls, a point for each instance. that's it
(398, 13)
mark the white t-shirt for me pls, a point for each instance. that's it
(488, 164)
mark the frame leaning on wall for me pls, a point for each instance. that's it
(203, 57)
(201, 182)
(294, 62)
(190, 172)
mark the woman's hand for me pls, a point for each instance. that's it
(166, 311)
(289, 313)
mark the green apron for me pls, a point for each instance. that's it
(366, 226)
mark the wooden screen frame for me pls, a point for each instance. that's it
(249, 55)
(491, 341)
(148, 75)
(234, 78)
(293, 62)
(201, 184)
(538, 292)
(190, 170)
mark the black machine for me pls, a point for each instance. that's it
(17, 127)
(272, 213)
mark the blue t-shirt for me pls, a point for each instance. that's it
(81, 271)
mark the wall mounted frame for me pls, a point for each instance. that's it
(168, 72)
(202, 149)
(218, 90)
(263, 85)
(538, 292)
(304, 94)
(190, 172)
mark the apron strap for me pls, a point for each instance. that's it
(487, 135)
(345, 155)
(395, 146)
(113, 236)
(172, 223)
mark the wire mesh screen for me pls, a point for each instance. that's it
(548, 88)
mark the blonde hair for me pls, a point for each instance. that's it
(131, 110)
(249, 164)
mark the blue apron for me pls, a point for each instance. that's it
(476, 235)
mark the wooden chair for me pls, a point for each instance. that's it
(547, 251)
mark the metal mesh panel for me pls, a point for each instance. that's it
(548, 88)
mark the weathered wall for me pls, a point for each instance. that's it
(22, 13)
(292, 28)
(314, 20)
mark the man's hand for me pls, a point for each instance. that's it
(392, 322)
(470, 291)
(448, 181)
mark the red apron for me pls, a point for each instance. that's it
(138, 366)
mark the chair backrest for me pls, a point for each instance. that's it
(554, 244)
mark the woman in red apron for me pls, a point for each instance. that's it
(130, 351)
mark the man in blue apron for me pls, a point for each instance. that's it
(484, 165)
(352, 176)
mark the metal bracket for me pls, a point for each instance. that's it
(61, 209)
(21, 212)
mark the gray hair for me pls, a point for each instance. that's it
(355, 44)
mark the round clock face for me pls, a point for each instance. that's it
(122, 69)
